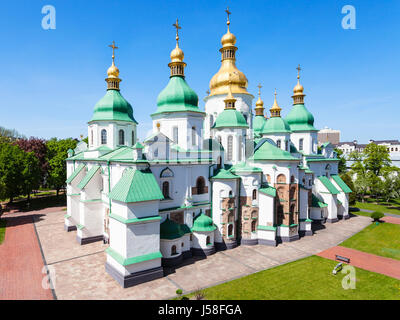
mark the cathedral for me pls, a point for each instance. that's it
(203, 181)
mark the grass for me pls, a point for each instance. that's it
(310, 279)
(2, 230)
(384, 207)
(382, 239)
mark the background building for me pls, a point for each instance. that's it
(328, 135)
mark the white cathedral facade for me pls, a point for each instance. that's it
(203, 181)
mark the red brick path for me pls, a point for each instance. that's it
(21, 261)
(390, 219)
(366, 261)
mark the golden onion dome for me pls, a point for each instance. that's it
(177, 54)
(298, 88)
(228, 39)
(113, 71)
(220, 81)
(259, 103)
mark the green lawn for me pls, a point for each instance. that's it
(309, 278)
(2, 230)
(384, 207)
(382, 239)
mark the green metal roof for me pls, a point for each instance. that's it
(113, 107)
(300, 119)
(171, 230)
(268, 151)
(341, 183)
(225, 174)
(328, 184)
(177, 96)
(244, 167)
(138, 145)
(230, 118)
(268, 190)
(316, 203)
(203, 223)
(88, 176)
(276, 125)
(136, 185)
(75, 173)
(258, 124)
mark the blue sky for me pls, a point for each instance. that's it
(53, 78)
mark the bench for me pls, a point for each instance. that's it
(341, 258)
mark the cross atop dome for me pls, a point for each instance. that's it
(228, 13)
(113, 46)
(177, 26)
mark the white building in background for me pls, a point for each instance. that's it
(184, 191)
(328, 135)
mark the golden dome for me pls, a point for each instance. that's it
(221, 81)
(298, 88)
(177, 54)
(275, 109)
(113, 71)
(259, 103)
(228, 39)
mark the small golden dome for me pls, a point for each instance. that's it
(177, 54)
(113, 71)
(298, 88)
(259, 103)
(228, 39)
(275, 109)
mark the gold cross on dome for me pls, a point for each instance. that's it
(177, 26)
(259, 89)
(113, 46)
(228, 13)
(298, 71)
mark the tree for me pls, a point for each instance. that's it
(39, 148)
(375, 158)
(342, 162)
(31, 174)
(390, 186)
(12, 160)
(56, 155)
(7, 135)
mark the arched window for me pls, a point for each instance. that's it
(121, 137)
(291, 214)
(253, 225)
(103, 136)
(165, 189)
(208, 240)
(230, 230)
(292, 179)
(231, 218)
(301, 144)
(200, 185)
(219, 139)
(133, 137)
(183, 244)
(268, 178)
(281, 178)
(173, 250)
(304, 181)
(255, 194)
(230, 194)
(91, 137)
(193, 136)
(287, 145)
(230, 148)
(211, 120)
(219, 163)
(292, 193)
(278, 143)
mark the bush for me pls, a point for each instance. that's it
(179, 291)
(377, 215)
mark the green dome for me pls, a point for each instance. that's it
(300, 119)
(276, 125)
(177, 96)
(203, 223)
(258, 124)
(170, 230)
(113, 106)
(230, 118)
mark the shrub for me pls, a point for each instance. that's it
(179, 291)
(377, 215)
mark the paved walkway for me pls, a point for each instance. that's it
(366, 261)
(385, 213)
(80, 272)
(391, 220)
(21, 261)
